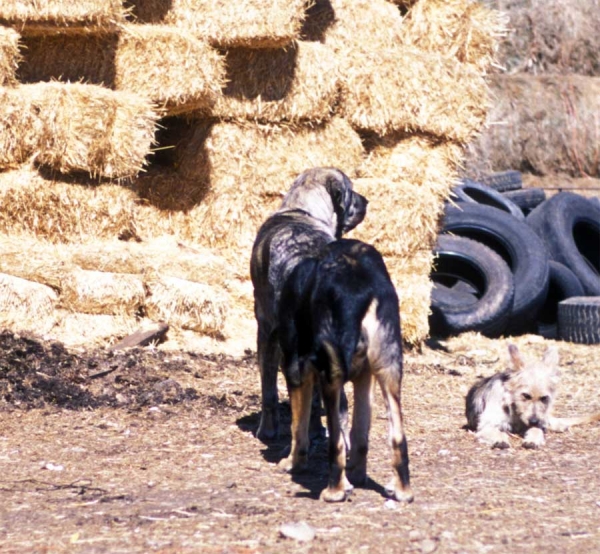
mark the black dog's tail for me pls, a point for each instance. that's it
(329, 360)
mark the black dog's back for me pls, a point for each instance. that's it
(324, 302)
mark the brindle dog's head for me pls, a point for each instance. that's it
(326, 194)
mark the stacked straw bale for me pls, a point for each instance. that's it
(230, 23)
(544, 124)
(188, 305)
(64, 212)
(551, 36)
(9, 56)
(170, 67)
(390, 87)
(293, 84)
(387, 93)
(100, 292)
(251, 166)
(461, 29)
(25, 305)
(413, 175)
(80, 16)
(75, 127)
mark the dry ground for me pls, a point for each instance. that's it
(153, 451)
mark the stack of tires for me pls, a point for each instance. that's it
(509, 261)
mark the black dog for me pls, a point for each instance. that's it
(319, 207)
(340, 321)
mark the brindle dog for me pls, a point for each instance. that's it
(340, 321)
(319, 207)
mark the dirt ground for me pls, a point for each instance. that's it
(153, 451)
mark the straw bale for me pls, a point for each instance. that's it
(297, 83)
(25, 305)
(541, 124)
(230, 23)
(463, 29)
(410, 275)
(551, 36)
(31, 259)
(99, 292)
(76, 127)
(169, 66)
(9, 56)
(185, 304)
(402, 89)
(406, 198)
(64, 212)
(165, 255)
(364, 26)
(387, 86)
(62, 15)
(251, 167)
(91, 330)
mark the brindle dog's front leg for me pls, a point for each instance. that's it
(268, 361)
(300, 401)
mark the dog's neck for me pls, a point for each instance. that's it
(315, 202)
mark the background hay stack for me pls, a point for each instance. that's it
(250, 95)
(545, 117)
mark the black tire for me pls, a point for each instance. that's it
(523, 251)
(453, 310)
(563, 284)
(570, 226)
(472, 191)
(503, 181)
(579, 320)
(526, 199)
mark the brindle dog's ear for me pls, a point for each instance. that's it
(335, 188)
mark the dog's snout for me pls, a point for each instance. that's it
(535, 421)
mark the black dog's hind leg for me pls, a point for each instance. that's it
(268, 361)
(361, 425)
(389, 379)
(338, 486)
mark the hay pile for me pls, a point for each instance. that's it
(544, 119)
(75, 127)
(387, 93)
(551, 36)
(546, 124)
